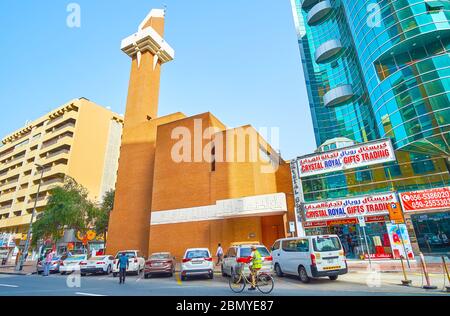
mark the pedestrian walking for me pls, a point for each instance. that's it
(219, 254)
(122, 265)
(48, 262)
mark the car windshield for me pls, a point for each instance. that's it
(194, 254)
(247, 252)
(76, 258)
(159, 256)
(128, 254)
(322, 244)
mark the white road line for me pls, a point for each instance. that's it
(8, 285)
(88, 294)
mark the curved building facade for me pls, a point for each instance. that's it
(397, 54)
(338, 96)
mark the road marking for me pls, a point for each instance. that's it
(178, 278)
(8, 285)
(88, 294)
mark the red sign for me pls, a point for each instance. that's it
(433, 199)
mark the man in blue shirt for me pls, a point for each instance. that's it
(122, 264)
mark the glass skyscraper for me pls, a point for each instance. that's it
(377, 69)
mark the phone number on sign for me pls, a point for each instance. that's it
(429, 196)
(430, 204)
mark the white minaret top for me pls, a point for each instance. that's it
(148, 40)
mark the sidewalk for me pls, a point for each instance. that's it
(28, 268)
(434, 265)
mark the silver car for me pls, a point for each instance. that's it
(54, 266)
(231, 265)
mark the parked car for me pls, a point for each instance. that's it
(135, 259)
(310, 257)
(71, 264)
(54, 267)
(237, 251)
(197, 261)
(160, 263)
(99, 264)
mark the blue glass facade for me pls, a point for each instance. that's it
(394, 63)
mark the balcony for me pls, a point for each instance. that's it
(306, 4)
(47, 185)
(56, 121)
(51, 171)
(328, 50)
(13, 161)
(7, 196)
(64, 141)
(319, 12)
(338, 95)
(62, 153)
(5, 209)
(15, 221)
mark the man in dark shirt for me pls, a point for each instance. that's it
(122, 264)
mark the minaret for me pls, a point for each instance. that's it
(130, 220)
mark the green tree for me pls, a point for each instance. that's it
(68, 208)
(102, 221)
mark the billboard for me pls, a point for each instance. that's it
(346, 158)
(350, 208)
(432, 199)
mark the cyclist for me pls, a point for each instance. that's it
(255, 266)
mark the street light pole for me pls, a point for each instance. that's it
(21, 260)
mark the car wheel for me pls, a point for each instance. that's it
(108, 270)
(114, 274)
(278, 271)
(83, 274)
(211, 276)
(62, 273)
(147, 276)
(333, 277)
(303, 275)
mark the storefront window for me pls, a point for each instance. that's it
(352, 239)
(432, 231)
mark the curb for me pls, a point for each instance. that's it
(17, 273)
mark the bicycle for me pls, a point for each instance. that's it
(238, 281)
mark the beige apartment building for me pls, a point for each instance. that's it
(79, 139)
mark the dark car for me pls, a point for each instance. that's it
(160, 263)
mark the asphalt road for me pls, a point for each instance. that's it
(353, 284)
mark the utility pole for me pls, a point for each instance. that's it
(21, 260)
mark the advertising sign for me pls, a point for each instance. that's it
(6, 240)
(396, 234)
(347, 158)
(349, 208)
(395, 213)
(433, 199)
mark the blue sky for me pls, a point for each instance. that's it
(238, 59)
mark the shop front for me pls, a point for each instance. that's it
(7, 247)
(363, 226)
(76, 243)
(428, 214)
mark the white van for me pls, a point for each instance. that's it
(310, 257)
